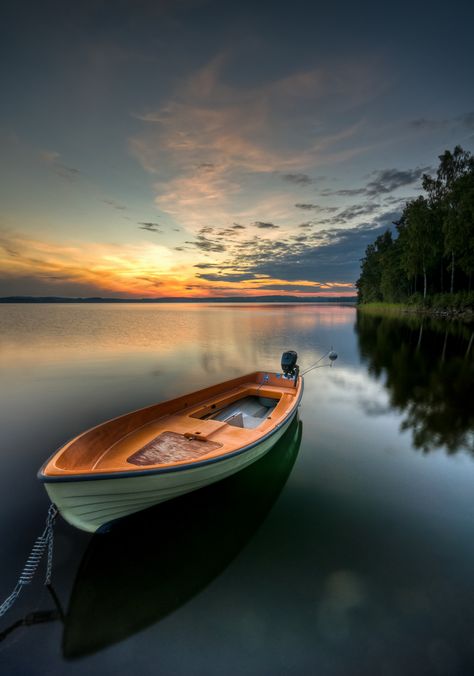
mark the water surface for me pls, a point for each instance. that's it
(348, 550)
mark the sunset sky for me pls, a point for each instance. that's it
(193, 148)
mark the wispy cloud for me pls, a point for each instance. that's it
(115, 205)
(53, 160)
(215, 138)
(76, 268)
(434, 124)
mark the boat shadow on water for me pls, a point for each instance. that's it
(153, 562)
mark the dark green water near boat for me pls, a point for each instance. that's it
(348, 549)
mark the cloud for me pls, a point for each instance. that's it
(51, 158)
(307, 206)
(356, 210)
(235, 277)
(237, 226)
(384, 181)
(298, 287)
(423, 123)
(327, 256)
(151, 227)
(298, 179)
(211, 140)
(207, 166)
(265, 226)
(433, 124)
(115, 205)
(344, 192)
(468, 120)
(85, 268)
(388, 180)
(204, 244)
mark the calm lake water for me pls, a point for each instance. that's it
(349, 549)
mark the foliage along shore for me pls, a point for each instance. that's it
(427, 266)
(450, 306)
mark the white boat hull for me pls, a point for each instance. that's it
(93, 504)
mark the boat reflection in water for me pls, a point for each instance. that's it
(153, 562)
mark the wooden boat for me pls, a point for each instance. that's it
(129, 580)
(160, 452)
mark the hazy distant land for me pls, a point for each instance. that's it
(222, 299)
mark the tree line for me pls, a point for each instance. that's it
(433, 249)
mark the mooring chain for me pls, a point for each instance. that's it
(43, 542)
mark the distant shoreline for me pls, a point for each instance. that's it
(231, 299)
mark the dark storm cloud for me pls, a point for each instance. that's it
(266, 226)
(298, 179)
(151, 227)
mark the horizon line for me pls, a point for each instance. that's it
(178, 299)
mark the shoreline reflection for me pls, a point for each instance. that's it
(428, 370)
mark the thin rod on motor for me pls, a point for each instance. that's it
(330, 354)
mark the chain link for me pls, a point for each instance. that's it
(44, 542)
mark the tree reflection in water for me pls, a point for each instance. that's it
(428, 369)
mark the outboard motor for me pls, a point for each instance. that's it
(289, 366)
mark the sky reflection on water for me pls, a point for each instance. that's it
(364, 562)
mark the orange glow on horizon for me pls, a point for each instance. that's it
(136, 271)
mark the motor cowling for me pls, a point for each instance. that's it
(288, 363)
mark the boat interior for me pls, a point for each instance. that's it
(211, 422)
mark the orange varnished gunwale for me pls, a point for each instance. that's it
(105, 448)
